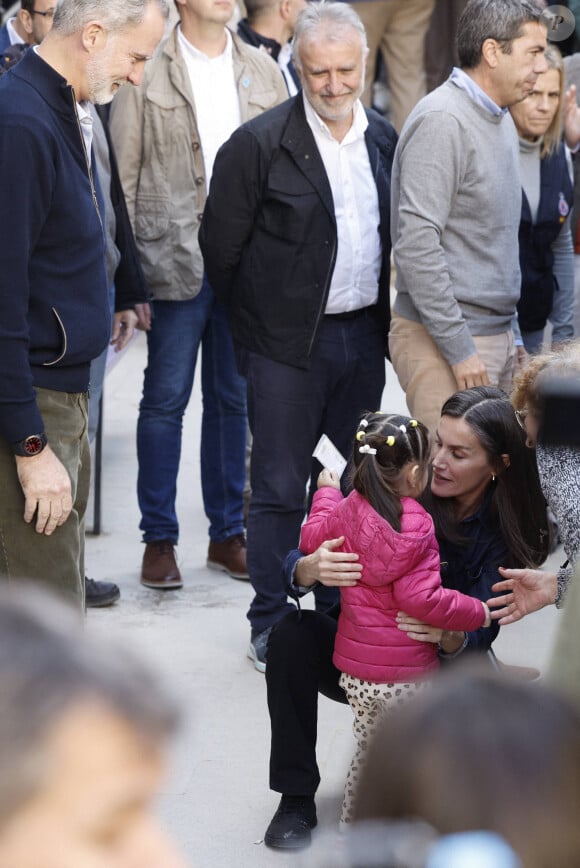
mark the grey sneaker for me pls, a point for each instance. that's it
(258, 648)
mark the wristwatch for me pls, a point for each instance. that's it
(31, 445)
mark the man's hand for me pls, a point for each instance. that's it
(47, 490)
(521, 358)
(330, 568)
(124, 324)
(328, 479)
(526, 591)
(143, 312)
(470, 372)
(571, 118)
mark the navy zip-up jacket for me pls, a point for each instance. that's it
(54, 316)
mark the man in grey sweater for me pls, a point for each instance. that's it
(456, 196)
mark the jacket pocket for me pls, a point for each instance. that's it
(262, 101)
(151, 217)
(291, 207)
(64, 341)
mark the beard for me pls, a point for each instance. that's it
(100, 86)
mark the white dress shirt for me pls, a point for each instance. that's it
(217, 107)
(86, 122)
(356, 273)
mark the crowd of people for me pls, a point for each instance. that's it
(242, 200)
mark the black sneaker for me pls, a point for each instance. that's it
(291, 825)
(100, 594)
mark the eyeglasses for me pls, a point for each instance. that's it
(522, 415)
(48, 14)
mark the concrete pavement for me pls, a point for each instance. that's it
(216, 801)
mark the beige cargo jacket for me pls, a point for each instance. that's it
(160, 159)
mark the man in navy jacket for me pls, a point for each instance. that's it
(54, 313)
(295, 238)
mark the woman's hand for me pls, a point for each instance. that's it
(448, 640)
(328, 479)
(527, 591)
(571, 118)
(330, 568)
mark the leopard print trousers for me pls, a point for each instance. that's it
(371, 703)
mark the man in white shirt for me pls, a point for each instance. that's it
(296, 242)
(203, 83)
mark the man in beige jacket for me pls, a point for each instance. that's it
(203, 84)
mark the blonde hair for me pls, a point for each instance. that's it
(563, 362)
(553, 135)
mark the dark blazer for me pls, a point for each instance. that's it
(252, 37)
(268, 234)
(4, 38)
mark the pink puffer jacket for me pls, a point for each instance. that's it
(400, 574)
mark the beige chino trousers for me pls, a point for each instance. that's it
(426, 377)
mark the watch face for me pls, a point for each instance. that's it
(33, 445)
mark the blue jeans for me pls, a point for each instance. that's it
(178, 329)
(533, 341)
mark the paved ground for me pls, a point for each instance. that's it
(216, 801)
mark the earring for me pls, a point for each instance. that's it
(493, 477)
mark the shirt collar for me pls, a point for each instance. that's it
(357, 130)
(13, 36)
(84, 113)
(464, 81)
(195, 53)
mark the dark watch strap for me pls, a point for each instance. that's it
(31, 445)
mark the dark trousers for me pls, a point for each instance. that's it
(299, 668)
(289, 409)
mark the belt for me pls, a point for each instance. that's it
(350, 314)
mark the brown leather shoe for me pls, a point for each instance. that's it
(229, 556)
(160, 568)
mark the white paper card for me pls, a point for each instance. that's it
(329, 456)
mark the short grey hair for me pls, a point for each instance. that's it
(332, 19)
(48, 665)
(501, 20)
(115, 15)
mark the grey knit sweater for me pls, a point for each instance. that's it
(559, 469)
(456, 207)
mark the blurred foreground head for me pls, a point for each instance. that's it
(480, 752)
(82, 731)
